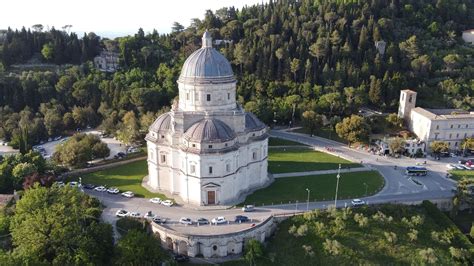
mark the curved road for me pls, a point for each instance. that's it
(398, 188)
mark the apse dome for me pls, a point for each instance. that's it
(206, 65)
(162, 123)
(209, 130)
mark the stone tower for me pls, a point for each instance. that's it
(407, 103)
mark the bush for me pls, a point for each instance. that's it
(125, 224)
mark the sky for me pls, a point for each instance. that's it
(109, 18)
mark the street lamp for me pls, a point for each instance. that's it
(366, 186)
(307, 201)
(337, 185)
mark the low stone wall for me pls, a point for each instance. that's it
(213, 245)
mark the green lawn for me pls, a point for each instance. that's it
(124, 177)
(324, 132)
(458, 174)
(283, 142)
(288, 160)
(322, 187)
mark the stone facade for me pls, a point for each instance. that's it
(207, 150)
(449, 125)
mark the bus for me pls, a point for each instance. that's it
(416, 171)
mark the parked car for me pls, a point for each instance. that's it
(463, 167)
(248, 208)
(57, 138)
(185, 220)
(149, 215)
(122, 213)
(128, 194)
(241, 219)
(59, 183)
(158, 220)
(113, 190)
(155, 200)
(181, 258)
(100, 189)
(357, 202)
(450, 166)
(134, 214)
(202, 221)
(168, 203)
(73, 184)
(89, 186)
(219, 220)
(459, 167)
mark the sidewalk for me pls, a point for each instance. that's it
(323, 172)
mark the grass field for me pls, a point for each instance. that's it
(337, 238)
(288, 160)
(324, 132)
(322, 187)
(458, 174)
(283, 142)
(124, 177)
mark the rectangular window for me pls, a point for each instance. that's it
(194, 145)
(467, 126)
(459, 126)
(208, 97)
(210, 146)
(228, 96)
(187, 96)
(456, 144)
(452, 126)
(163, 158)
(450, 135)
(210, 170)
(437, 126)
(227, 167)
(254, 155)
(193, 169)
(457, 135)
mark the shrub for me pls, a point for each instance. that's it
(125, 224)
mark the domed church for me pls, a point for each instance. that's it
(207, 150)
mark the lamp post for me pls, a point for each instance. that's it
(337, 185)
(307, 201)
(366, 186)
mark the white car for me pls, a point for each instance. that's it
(248, 208)
(450, 166)
(60, 183)
(122, 213)
(128, 194)
(168, 203)
(73, 184)
(155, 200)
(134, 214)
(357, 202)
(100, 189)
(219, 220)
(113, 190)
(158, 220)
(185, 220)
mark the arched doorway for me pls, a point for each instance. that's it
(183, 247)
(169, 243)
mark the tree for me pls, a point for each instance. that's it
(60, 226)
(294, 67)
(438, 147)
(21, 170)
(394, 121)
(311, 120)
(253, 251)
(396, 145)
(47, 51)
(79, 149)
(333, 247)
(353, 129)
(129, 131)
(138, 248)
(45, 180)
(428, 255)
(177, 27)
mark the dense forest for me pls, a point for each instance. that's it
(317, 55)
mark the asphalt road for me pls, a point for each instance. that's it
(398, 189)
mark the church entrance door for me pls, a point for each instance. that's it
(211, 197)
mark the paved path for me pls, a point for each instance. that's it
(398, 189)
(322, 172)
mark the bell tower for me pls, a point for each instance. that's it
(406, 104)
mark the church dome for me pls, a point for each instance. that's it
(206, 65)
(162, 123)
(252, 123)
(209, 130)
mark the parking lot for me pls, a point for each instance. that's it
(114, 145)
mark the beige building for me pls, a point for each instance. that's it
(107, 61)
(449, 125)
(468, 36)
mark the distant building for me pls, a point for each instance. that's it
(449, 125)
(107, 61)
(412, 146)
(219, 42)
(468, 36)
